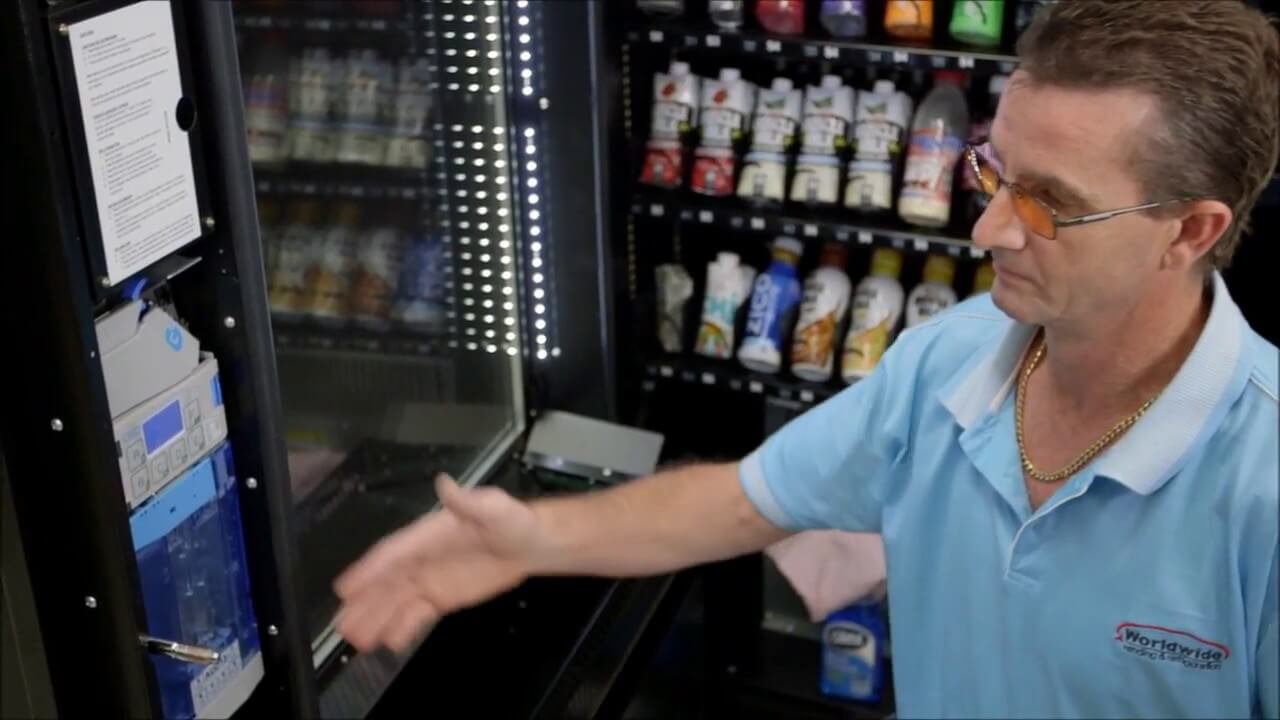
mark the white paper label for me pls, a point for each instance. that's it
(772, 46)
(757, 223)
(127, 81)
(655, 36)
(713, 41)
(830, 52)
(966, 62)
(811, 231)
(705, 216)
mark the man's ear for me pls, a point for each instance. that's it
(1199, 226)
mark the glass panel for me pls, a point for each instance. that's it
(380, 147)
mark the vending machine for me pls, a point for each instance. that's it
(281, 263)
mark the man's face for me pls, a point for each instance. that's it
(1071, 149)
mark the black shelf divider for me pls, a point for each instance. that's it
(727, 375)
(305, 333)
(719, 213)
(675, 36)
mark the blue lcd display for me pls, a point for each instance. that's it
(162, 427)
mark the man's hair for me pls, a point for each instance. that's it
(1212, 65)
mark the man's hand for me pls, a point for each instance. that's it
(485, 541)
(480, 544)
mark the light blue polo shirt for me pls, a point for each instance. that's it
(1145, 587)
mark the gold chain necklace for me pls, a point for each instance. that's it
(1089, 454)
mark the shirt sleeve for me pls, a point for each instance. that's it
(1268, 665)
(829, 468)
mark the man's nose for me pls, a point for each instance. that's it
(999, 226)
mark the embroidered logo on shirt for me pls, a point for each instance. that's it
(1160, 643)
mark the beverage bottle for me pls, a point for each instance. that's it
(726, 14)
(909, 19)
(675, 112)
(877, 308)
(675, 287)
(311, 99)
(668, 8)
(367, 89)
(978, 22)
(828, 113)
(826, 300)
(298, 243)
(937, 139)
(979, 131)
(845, 18)
(935, 294)
(726, 118)
(375, 273)
(408, 146)
(773, 300)
(267, 103)
(728, 284)
(774, 130)
(420, 290)
(784, 17)
(878, 137)
(329, 275)
(983, 278)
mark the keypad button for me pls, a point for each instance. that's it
(195, 436)
(136, 455)
(160, 467)
(178, 455)
(138, 483)
(192, 413)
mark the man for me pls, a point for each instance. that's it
(1075, 477)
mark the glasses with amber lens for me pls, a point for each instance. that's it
(1033, 213)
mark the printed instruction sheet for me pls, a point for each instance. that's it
(127, 79)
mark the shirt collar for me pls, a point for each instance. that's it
(1144, 458)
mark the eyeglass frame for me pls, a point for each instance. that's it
(971, 155)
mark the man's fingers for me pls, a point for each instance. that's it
(478, 505)
(363, 620)
(411, 619)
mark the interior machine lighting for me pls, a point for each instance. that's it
(481, 195)
(540, 324)
(538, 293)
(526, 90)
(472, 53)
(542, 354)
(533, 198)
(509, 321)
(488, 304)
(524, 38)
(468, 287)
(469, 36)
(488, 319)
(536, 262)
(530, 149)
(508, 306)
(532, 182)
(506, 275)
(468, 18)
(491, 37)
(491, 334)
(542, 339)
(500, 164)
(525, 56)
(450, 52)
(466, 256)
(535, 247)
(449, 35)
(478, 162)
(486, 273)
(469, 317)
(506, 259)
(535, 231)
(526, 73)
(457, 144)
(502, 212)
(484, 258)
(493, 71)
(537, 277)
(448, 17)
(522, 3)
(473, 88)
(484, 226)
(452, 69)
(477, 178)
(511, 350)
(504, 244)
(531, 166)
(499, 147)
(473, 70)
(495, 89)
(472, 346)
(460, 177)
(507, 291)
(522, 21)
(540, 309)
(487, 288)
(491, 19)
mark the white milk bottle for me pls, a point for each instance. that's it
(877, 308)
(826, 300)
(728, 284)
(878, 136)
(937, 138)
(935, 294)
(726, 117)
(828, 112)
(773, 133)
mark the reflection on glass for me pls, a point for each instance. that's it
(388, 256)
